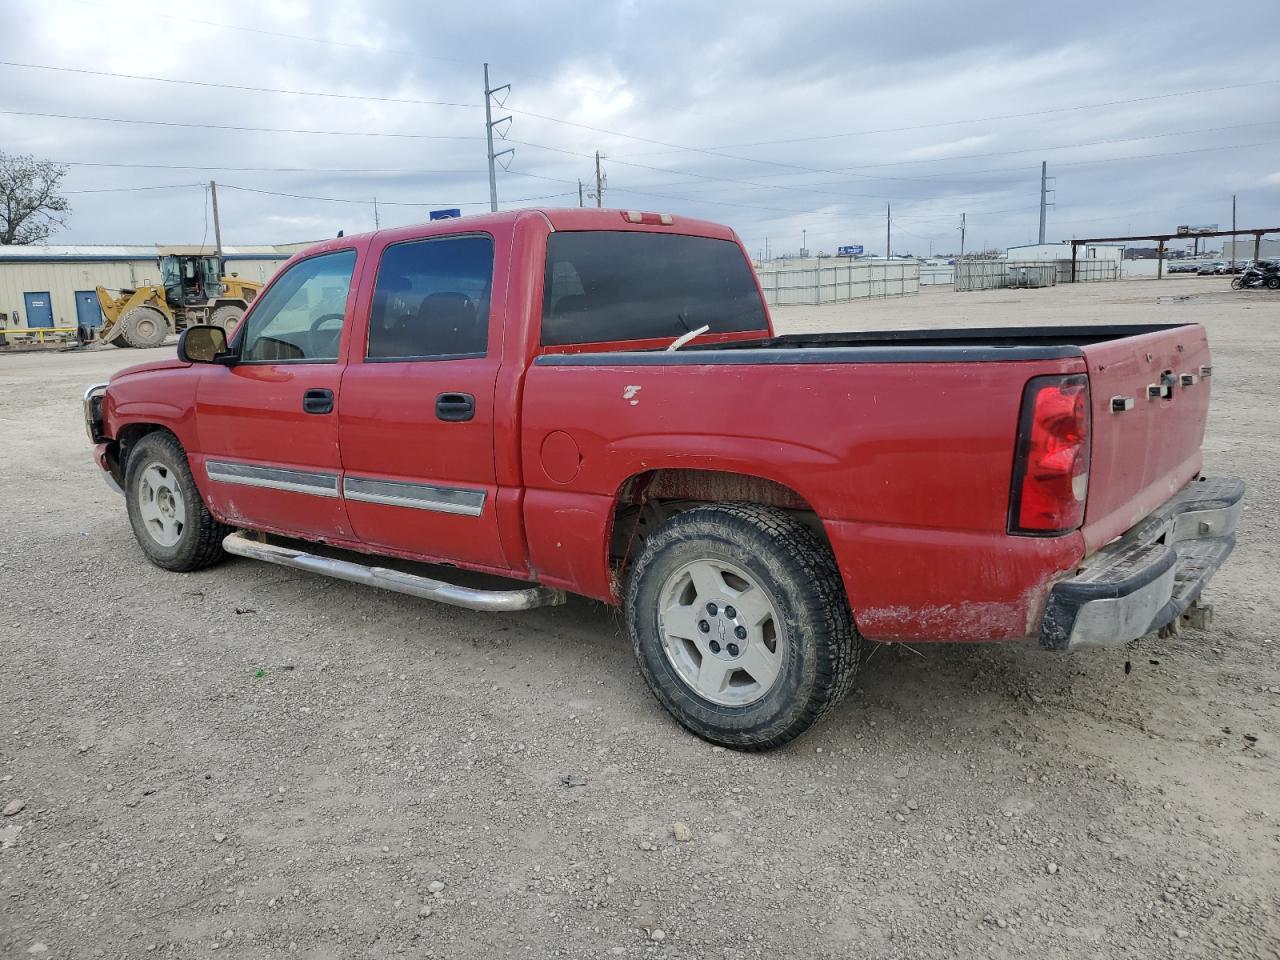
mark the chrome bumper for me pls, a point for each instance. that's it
(1151, 575)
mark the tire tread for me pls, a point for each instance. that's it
(204, 547)
(820, 595)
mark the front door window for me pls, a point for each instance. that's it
(299, 320)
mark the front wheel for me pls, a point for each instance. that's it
(226, 317)
(168, 515)
(144, 327)
(1237, 283)
(740, 624)
(1273, 283)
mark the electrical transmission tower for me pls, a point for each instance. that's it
(490, 98)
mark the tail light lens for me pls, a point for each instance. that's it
(1051, 468)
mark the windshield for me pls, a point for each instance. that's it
(629, 285)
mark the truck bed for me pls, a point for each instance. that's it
(903, 442)
(886, 346)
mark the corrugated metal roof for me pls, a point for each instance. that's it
(95, 251)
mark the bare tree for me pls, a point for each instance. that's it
(30, 206)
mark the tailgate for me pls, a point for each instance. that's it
(1141, 456)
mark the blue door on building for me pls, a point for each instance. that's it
(88, 313)
(39, 309)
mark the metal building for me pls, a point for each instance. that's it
(55, 286)
(1035, 252)
(1243, 250)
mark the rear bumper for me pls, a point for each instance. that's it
(1147, 578)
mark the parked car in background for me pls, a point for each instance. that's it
(1182, 268)
(1237, 267)
(1210, 268)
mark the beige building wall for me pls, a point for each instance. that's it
(61, 280)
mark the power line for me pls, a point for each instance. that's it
(188, 166)
(1137, 156)
(238, 86)
(164, 186)
(364, 201)
(1062, 146)
(715, 152)
(368, 48)
(220, 126)
(414, 52)
(988, 119)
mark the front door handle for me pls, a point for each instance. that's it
(317, 400)
(455, 407)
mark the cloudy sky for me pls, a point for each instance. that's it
(775, 118)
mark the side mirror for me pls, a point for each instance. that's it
(203, 344)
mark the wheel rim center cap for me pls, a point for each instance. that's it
(726, 636)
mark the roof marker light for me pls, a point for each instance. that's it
(636, 216)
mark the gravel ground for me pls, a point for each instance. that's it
(253, 762)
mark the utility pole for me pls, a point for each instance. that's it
(580, 203)
(804, 241)
(961, 257)
(599, 182)
(1233, 228)
(489, 124)
(1044, 193)
(217, 225)
(888, 231)
(376, 224)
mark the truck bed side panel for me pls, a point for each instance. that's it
(908, 464)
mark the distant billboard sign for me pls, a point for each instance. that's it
(851, 250)
(451, 214)
(1188, 230)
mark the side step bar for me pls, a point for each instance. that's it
(493, 601)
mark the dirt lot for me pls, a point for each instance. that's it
(254, 761)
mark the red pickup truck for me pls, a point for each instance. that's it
(595, 401)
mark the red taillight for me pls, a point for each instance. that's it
(1051, 470)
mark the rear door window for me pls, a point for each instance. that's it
(431, 300)
(629, 285)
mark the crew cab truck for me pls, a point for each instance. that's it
(595, 401)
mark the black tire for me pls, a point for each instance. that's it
(226, 317)
(199, 543)
(798, 575)
(1273, 283)
(1237, 283)
(144, 327)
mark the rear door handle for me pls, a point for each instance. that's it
(455, 407)
(317, 400)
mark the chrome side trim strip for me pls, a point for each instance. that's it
(417, 496)
(273, 478)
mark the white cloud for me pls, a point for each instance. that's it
(866, 96)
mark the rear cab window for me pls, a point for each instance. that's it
(603, 286)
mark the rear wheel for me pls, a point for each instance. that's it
(740, 624)
(168, 515)
(143, 327)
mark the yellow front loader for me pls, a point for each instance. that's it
(193, 291)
